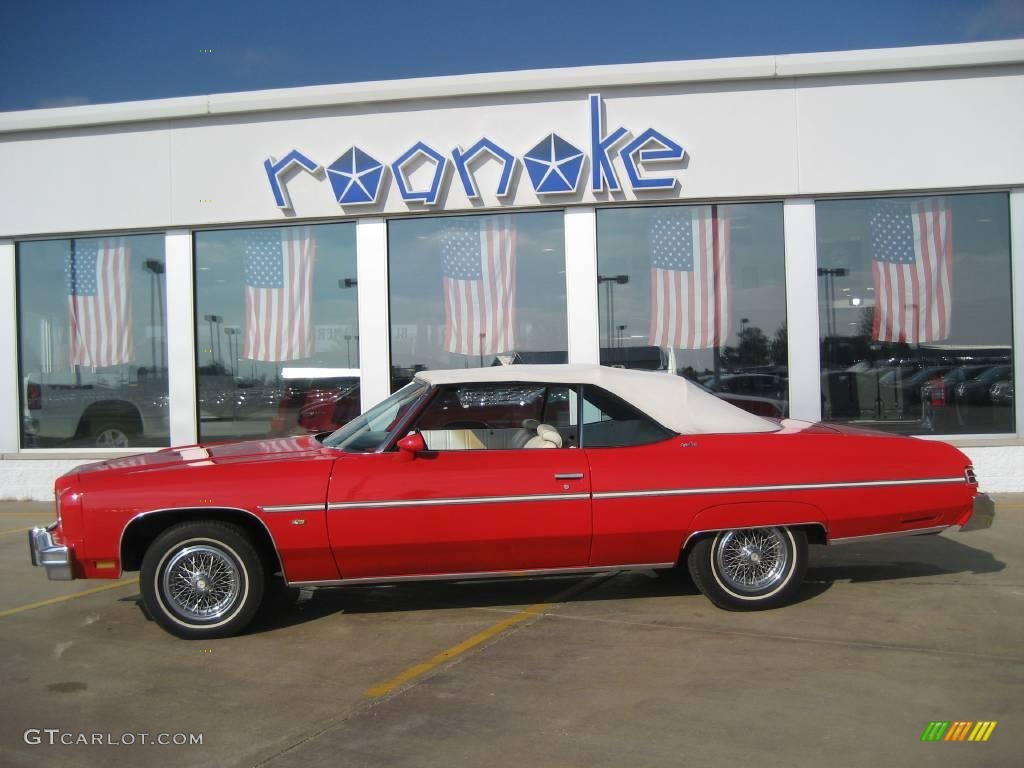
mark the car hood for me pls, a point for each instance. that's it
(243, 452)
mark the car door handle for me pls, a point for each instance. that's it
(569, 476)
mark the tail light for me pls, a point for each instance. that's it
(34, 396)
(938, 391)
(969, 475)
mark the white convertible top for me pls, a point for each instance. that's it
(671, 400)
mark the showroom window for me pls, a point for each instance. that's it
(92, 342)
(277, 340)
(915, 313)
(475, 291)
(698, 290)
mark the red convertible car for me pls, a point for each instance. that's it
(494, 472)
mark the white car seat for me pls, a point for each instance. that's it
(524, 435)
(547, 437)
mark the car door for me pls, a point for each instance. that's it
(487, 496)
(630, 457)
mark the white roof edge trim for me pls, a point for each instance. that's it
(566, 78)
(671, 400)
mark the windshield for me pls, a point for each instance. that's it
(367, 433)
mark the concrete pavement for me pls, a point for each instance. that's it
(613, 670)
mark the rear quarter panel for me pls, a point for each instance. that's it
(727, 481)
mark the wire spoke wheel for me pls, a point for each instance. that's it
(201, 582)
(752, 559)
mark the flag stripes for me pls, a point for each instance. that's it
(278, 294)
(912, 245)
(478, 257)
(100, 303)
(690, 283)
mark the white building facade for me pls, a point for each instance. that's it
(821, 236)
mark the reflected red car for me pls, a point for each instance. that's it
(498, 471)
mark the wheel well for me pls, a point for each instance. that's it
(117, 411)
(815, 533)
(141, 532)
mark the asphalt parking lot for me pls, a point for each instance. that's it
(613, 670)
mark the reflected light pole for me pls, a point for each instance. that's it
(610, 281)
(232, 332)
(214, 320)
(345, 283)
(830, 274)
(155, 267)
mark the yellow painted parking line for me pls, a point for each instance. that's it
(417, 670)
(447, 655)
(15, 530)
(65, 598)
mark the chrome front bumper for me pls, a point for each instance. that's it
(983, 516)
(56, 559)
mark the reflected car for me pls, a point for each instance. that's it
(492, 472)
(316, 405)
(904, 386)
(771, 407)
(942, 388)
(977, 390)
(1001, 393)
(95, 415)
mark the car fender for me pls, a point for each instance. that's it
(756, 514)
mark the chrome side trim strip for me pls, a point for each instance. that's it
(295, 507)
(888, 535)
(755, 488)
(483, 575)
(457, 500)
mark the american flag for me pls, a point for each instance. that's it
(478, 259)
(99, 302)
(690, 295)
(278, 293)
(912, 260)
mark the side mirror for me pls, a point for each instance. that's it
(410, 445)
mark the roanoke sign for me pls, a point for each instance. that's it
(553, 165)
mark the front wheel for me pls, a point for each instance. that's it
(202, 580)
(749, 569)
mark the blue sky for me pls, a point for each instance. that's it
(66, 52)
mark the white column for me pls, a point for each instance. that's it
(581, 285)
(181, 337)
(802, 310)
(374, 326)
(10, 403)
(1017, 271)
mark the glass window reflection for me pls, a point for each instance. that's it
(470, 291)
(93, 342)
(915, 313)
(698, 290)
(277, 340)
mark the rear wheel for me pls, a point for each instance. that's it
(111, 435)
(202, 580)
(749, 569)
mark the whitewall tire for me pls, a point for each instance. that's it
(749, 569)
(202, 580)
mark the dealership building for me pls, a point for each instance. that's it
(832, 236)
